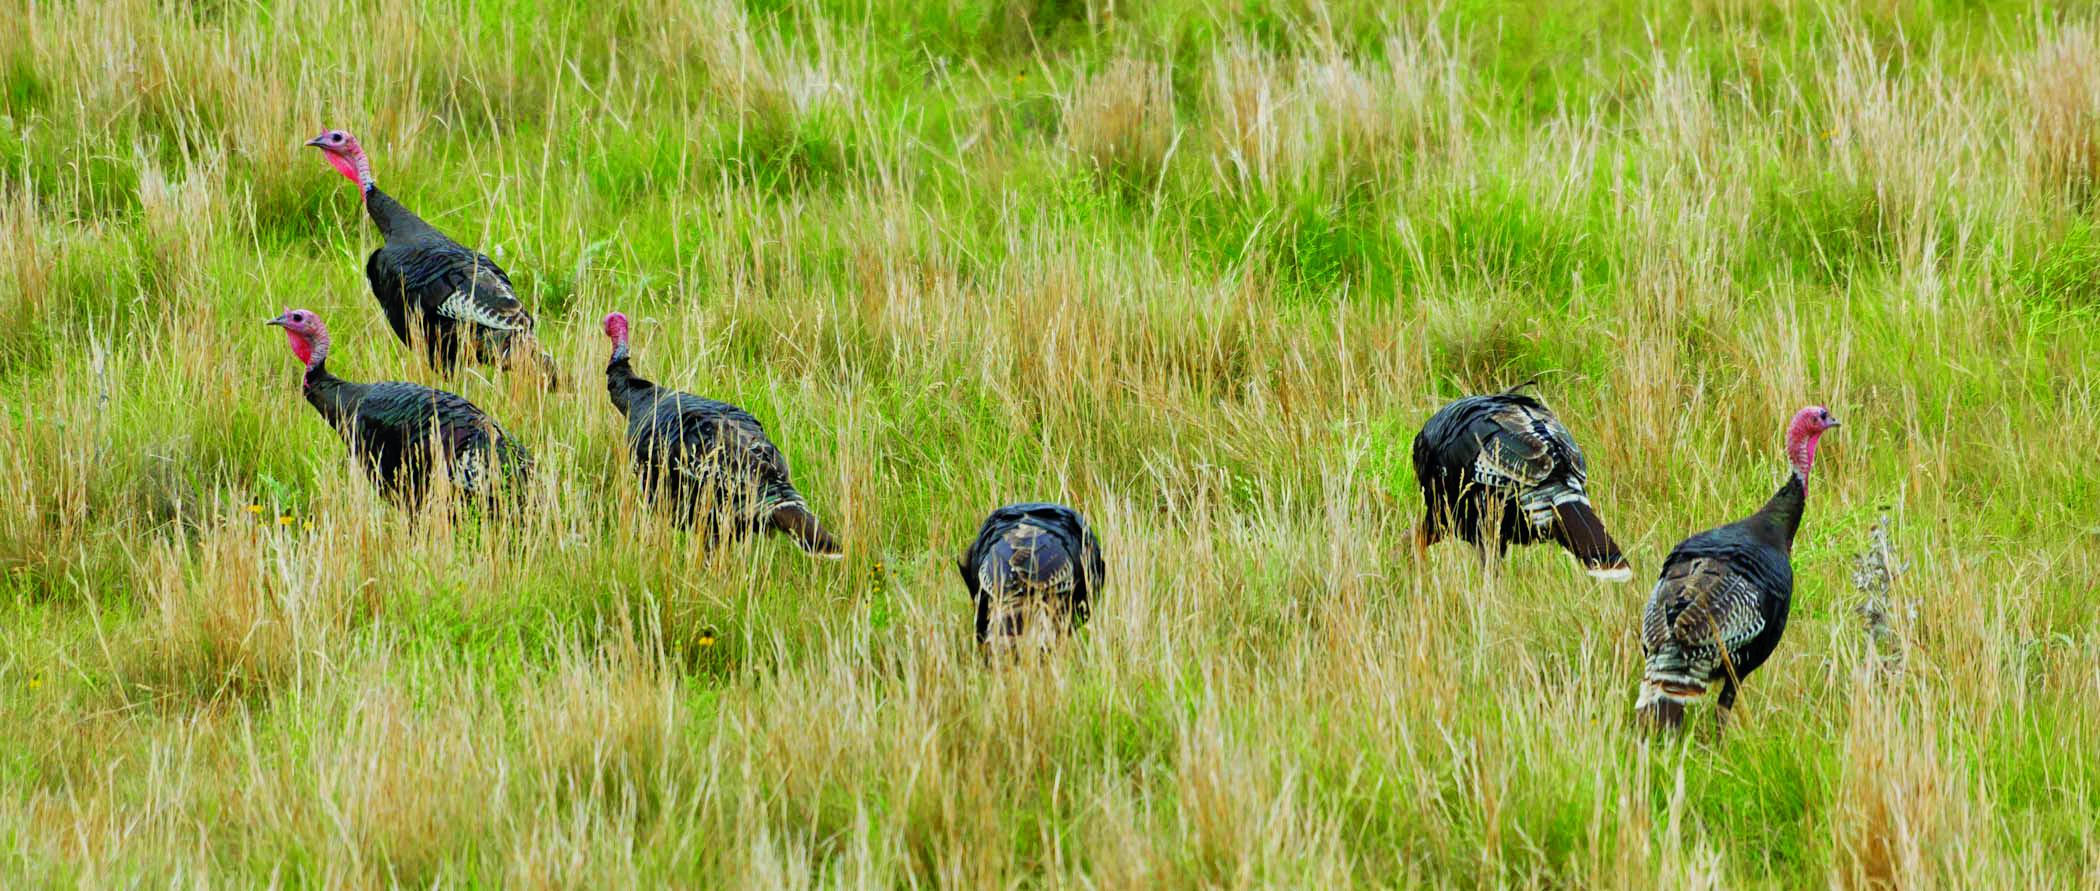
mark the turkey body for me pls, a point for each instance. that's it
(399, 432)
(1032, 572)
(1501, 468)
(456, 300)
(703, 459)
(1719, 607)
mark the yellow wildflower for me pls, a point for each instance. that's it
(308, 525)
(35, 683)
(284, 521)
(255, 508)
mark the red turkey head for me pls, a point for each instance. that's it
(1801, 436)
(345, 156)
(308, 336)
(616, 331)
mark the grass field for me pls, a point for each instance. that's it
(1199, 269)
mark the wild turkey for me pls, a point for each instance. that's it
(430, 284)
(1502, 468)
(390, 426)
(703, 458)
(1032, 572)
(1721, 603)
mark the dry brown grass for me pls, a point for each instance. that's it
(2062, 81)
(1342, 121)
(1120, 122)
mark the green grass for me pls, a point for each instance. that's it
(1197, 269)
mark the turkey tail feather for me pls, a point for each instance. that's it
(1019, 625)
(524, 349)
(1662, 699)
(1578, 529)
(1657, 708)
(547, 368)
(1662, 714)
(795, 519)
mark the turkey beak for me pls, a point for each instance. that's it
(1836, 423)
(279, 321)
(315, 142)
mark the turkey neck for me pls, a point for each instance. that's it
(1780, 518)
(336, 399)
(624, 386)
(394, 221)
